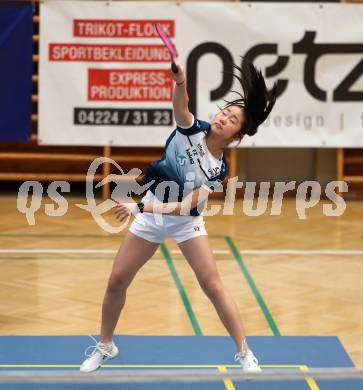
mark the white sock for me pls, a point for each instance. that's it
(244, 346)
(107, 346)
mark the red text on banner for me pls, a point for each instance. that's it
(130, 85)
(121, 28)
(108, 53)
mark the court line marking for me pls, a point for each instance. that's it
(75, 235)
(337, 252)
(182, 292)
(228, 384)
(108, 258)
(59, 235)
(266, 312)
(65, 258)
(300, 366)
(40, 250)
(311, 382)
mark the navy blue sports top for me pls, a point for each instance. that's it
(187, 163)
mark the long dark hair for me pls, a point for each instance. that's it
(256, 101)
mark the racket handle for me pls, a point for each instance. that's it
(174, 68)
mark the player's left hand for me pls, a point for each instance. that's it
(123, 210)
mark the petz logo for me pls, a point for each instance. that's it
(343, 92)
(182, 160)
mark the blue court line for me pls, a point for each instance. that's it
(253, 286)
(179, 285)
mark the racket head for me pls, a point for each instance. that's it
(167, 42)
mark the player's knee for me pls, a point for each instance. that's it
(212, 286)
(118, 282)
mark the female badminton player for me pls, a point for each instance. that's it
(194, 153)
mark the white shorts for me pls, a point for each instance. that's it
(155, 227)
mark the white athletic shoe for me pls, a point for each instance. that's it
(100, 354)
(248, 361)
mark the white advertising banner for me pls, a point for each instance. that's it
(104, 74)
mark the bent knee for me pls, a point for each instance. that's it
(118, 282)
(212, 286)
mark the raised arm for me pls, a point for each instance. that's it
(180, 99)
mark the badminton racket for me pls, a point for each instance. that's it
(169, 45)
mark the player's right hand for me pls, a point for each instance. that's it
(180, 76)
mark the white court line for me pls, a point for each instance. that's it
(338, 252)
(215, 251)
(82, 251)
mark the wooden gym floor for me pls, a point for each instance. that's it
(53, 276)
